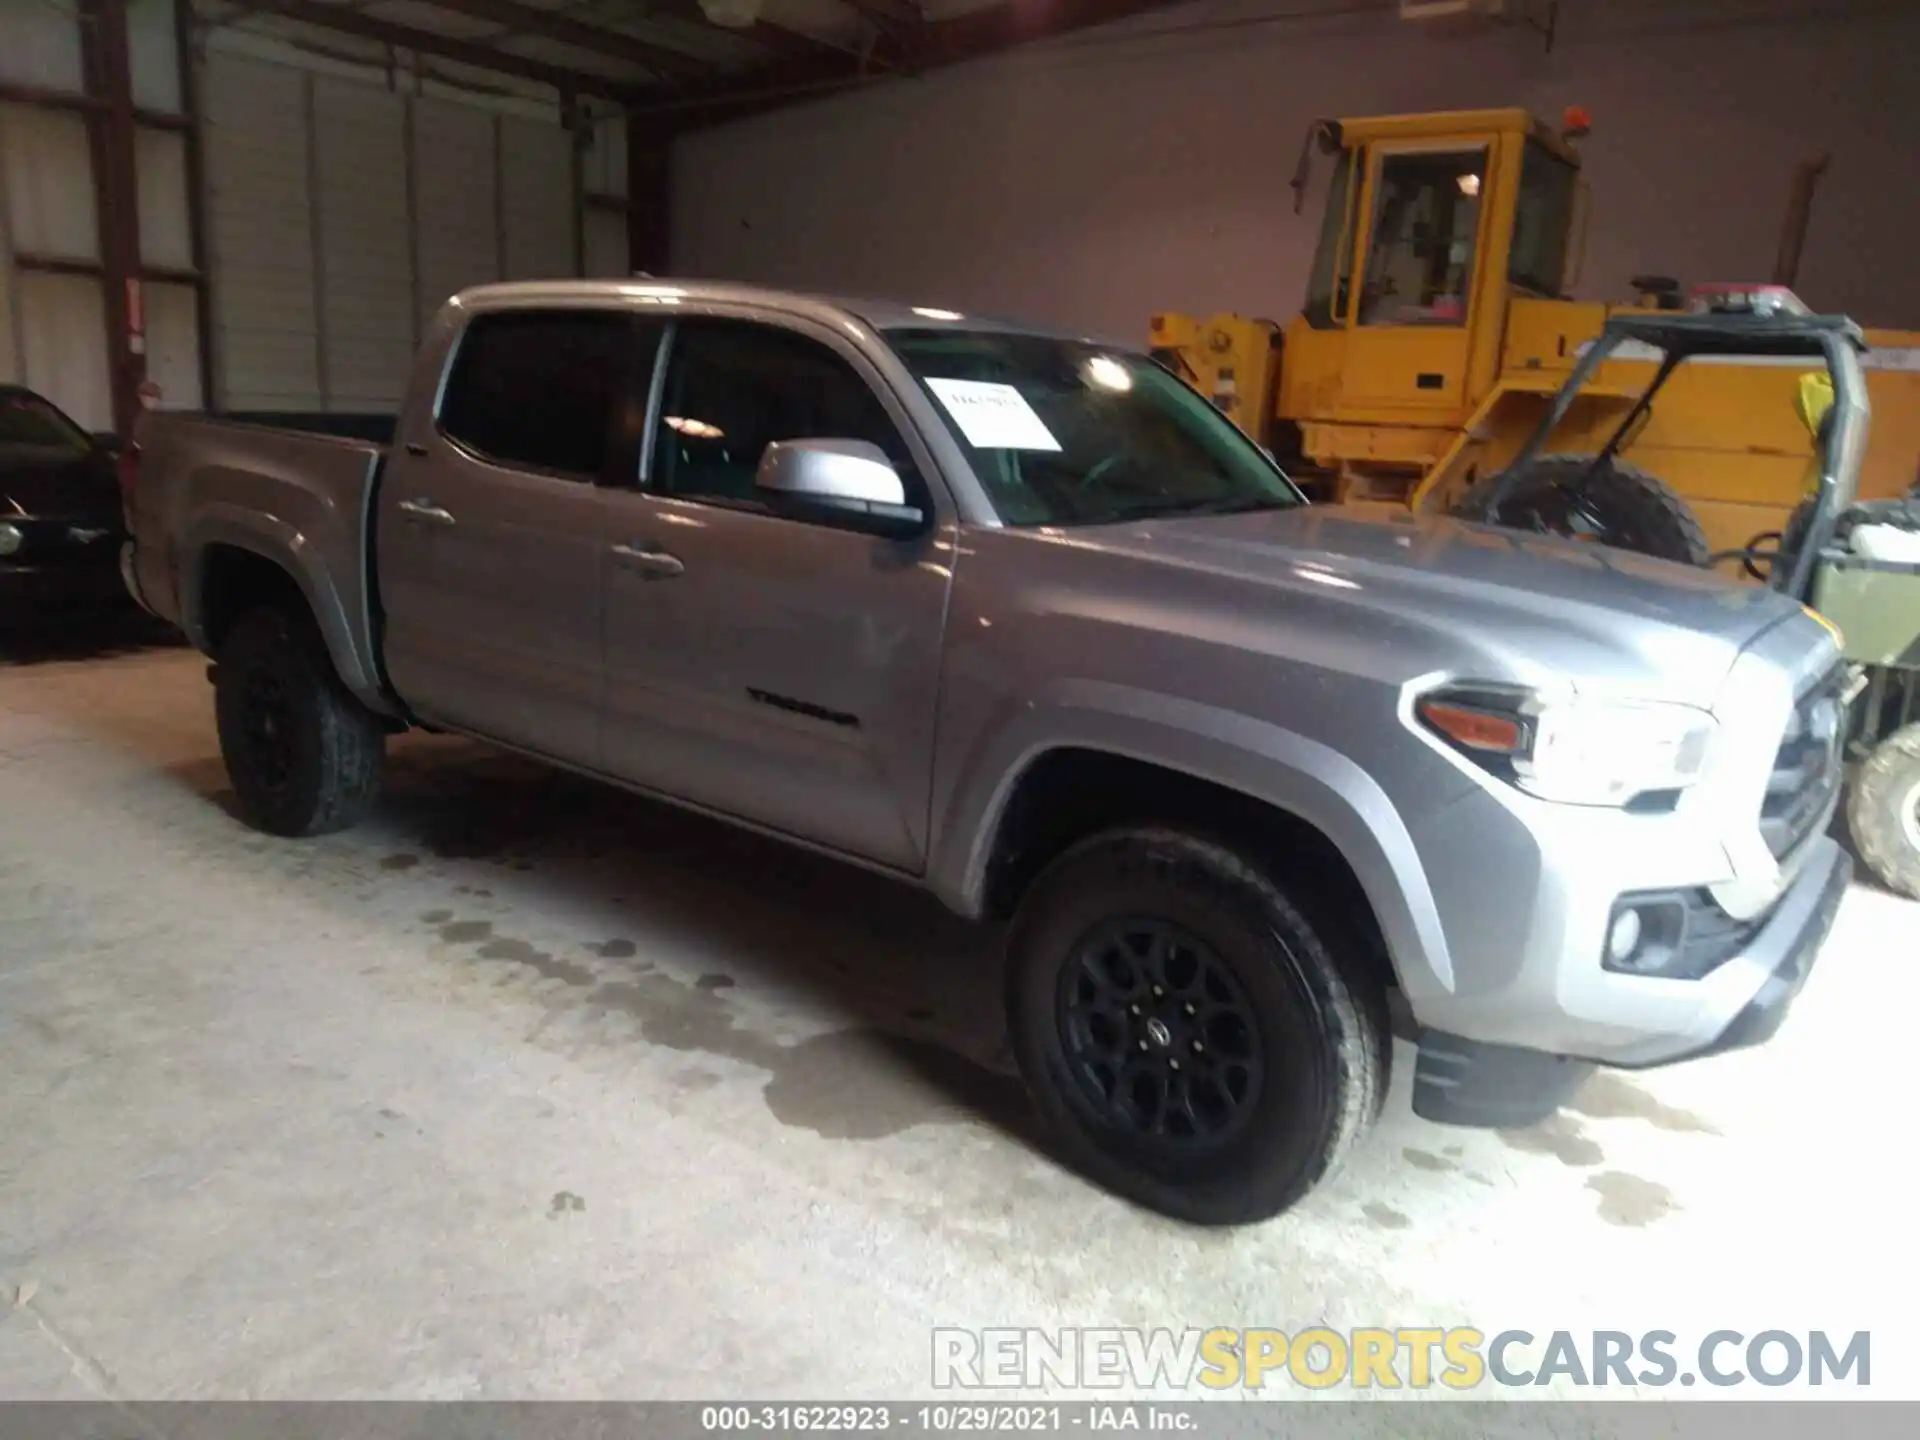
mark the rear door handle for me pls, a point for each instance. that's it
(426, 512)
(654, 564)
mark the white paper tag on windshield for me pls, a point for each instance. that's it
(993, 417)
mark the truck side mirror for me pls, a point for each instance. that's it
(848, 483)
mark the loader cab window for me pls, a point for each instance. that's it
(1329, 285)
(1542, 221)
(1426, 219)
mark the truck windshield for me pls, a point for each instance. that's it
(1542, 220)
(1062, 432)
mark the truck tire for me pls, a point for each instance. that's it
(1622, 506)
(1883, 812)
(1188, 1037)
(304, 756)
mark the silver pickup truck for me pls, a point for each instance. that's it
(1019, 618)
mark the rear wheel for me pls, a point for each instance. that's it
(304, 756)
(1187, 1034)
(1884, 812)
(1620, 505)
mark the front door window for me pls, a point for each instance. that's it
(1426, 215)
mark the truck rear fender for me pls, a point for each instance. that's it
(1301, 778)
(221, 528)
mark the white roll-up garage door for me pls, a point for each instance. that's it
(366, 271)
(455, 200)
(341, 215)
(260, 235)
(537, 210)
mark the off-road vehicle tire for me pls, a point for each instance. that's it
(1621, 506)
(1883, 813)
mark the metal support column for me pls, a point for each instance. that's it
(185, 40)
(109, 79)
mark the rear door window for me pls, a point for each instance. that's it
(541, 389)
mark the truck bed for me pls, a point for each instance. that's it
(206, 484)
(372, 426)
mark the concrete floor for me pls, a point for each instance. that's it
(529, 1089)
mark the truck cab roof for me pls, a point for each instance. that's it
(644, 291)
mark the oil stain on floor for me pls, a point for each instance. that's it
(853, 1084)
(1608, 1096)
(1559, 1136)
(1385, 1216)
(1630, 1200)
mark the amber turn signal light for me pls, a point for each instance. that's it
(1474, 729)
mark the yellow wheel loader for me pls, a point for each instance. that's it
(1437, 329)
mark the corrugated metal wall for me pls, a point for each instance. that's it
(53, 329)
(339, 215)
(342, 213)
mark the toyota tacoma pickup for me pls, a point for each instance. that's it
(1018, 617)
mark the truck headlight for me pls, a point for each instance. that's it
(1578, 751)
(10, 539)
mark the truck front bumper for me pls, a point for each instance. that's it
(1459, 1081)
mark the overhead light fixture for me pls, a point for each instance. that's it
(693, 429)
(926, 313)
(732, 14)
(1470, 185)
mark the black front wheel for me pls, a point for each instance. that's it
(1190, 1038)
(1617, 505)
(304, 756)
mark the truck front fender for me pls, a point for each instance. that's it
(1289, 771)
(342, 620)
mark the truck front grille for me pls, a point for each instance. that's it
(1807, 770)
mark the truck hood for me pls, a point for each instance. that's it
(1535, 605)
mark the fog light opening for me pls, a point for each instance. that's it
(1623, 938)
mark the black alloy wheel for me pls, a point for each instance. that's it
(1159, 1033)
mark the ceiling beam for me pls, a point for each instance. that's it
(553, 25)
(970, 36)
(1022, 22)
(889, 12)
(423, 42)
(794, 45)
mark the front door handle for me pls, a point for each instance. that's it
(654, 564)
(426, 512)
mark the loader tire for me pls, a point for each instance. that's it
(1621, 506)
(1883, 813)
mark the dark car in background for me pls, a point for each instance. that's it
(60, 518)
